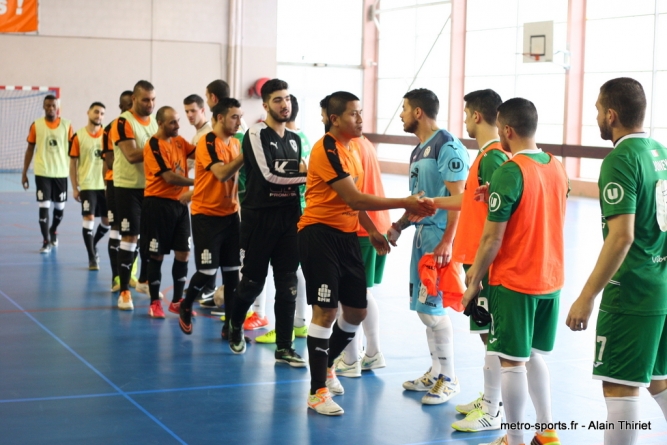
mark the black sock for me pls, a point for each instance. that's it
(246, 293)
(154, 278)
(318, 356)
(125, 261)
(44, 222)
(338, 341)
(57, 217)
(143, 267)
(179, 272)
(88, 241)
(114, 246)
(211, 281)
(231, 281)
(99, 233)
(197, 283)
(238, 311)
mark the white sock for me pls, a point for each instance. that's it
(372, 326)
(352, 348)
(301, 302)
(130, 247)
(539, 387)
(514, 387)
(621, 408)
(661, 398)
(345, 326)
(443, 334)
(435, 363)
(259, 307)
(491, 399)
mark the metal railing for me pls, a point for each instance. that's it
(563, 150)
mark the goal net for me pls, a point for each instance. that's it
(19, 107)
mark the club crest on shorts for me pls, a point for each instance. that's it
(324, 294)
(206, 257)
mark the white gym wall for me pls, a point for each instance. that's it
(95, 49)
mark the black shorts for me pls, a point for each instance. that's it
(111, 204)
(93, 202)
(128, 210)
(332, 266)
(165, 226)
(269, 236)
(51, 189)
(216, 241)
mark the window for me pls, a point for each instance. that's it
(414, 43)
(319, 52)
(494, 43)
(622, 41)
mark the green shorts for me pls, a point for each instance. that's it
(373, 262)
(630, 349)
(482, 300)
(521, 323)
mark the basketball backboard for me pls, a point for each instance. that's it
(538, 42)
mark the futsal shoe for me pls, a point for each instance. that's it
(175, 308)
(255, 322)
(54, 238)
(237, 341)
(142, 288)
(548, 437)
(155, 309)
(184, 319)
(269, 338)
(498, 441)
(205, 297)
(375, 362)
(207, 304)
(334, 384)
(125, 301)
(478, 420)
(423, 383)
(93, 264)
(115, 284)
(133, 273)
(290, 357)
(301, 332)
(345, 370)
(469, 407)
(323, 403)
(443, 390)
(46, 247)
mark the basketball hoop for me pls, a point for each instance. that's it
(533, 55)
(538, 42)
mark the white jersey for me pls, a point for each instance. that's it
(204, 129)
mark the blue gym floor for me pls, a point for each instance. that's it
(75, 370)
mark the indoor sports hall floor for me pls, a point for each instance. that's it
(75, 370)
